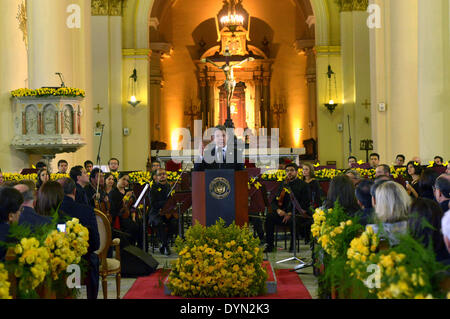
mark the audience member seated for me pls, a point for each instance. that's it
(364, 199)
(42, 177)
(81, 179)
(400, 160)
(10, 204)
(445, 224)
(438, 161)
(48, 198)
(442, 191)
(155, 165)
(391, 205)
(314, 187)
(354, 176)
(351, 160)
(413, 171)
(425, 225)
(86, 216)
(41, 165)
(342, 190)
(426, 183)
(417, 160)
(63, 166)
(29, 217)
(374, 160)
(382, 170)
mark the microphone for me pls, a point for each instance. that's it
(61, 78)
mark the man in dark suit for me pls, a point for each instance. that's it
(29, 217)
(87, 218)
(223, 153)
(10, 203)
(282, 207)
(81, 178)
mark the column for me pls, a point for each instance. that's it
(311, 79)
(356, 78)
(57, 46)
(155, 94)
(13, 75)
(434, 79)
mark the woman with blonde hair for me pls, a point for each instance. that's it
(392, 204)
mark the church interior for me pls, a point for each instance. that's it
(327, 80)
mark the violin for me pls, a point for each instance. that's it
(173, 212)
(103, 205)
(127, 209)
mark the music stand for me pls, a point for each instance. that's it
(144, 224)
(296, 207)
(178, 203)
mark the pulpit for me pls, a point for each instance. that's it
(220, 193)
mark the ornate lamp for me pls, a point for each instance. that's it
(230, 15)
(132, 89)
(331, 105)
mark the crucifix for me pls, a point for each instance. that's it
(277, 110)
(366, 104)
(192, 111)
(230, 82)
(98, 108)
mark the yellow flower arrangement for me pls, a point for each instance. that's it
(78, 238)
(33, 260)
(73, 92)
(361, 251)
(4, 283)
(218, 261)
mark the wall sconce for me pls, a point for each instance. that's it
(132, 89)
(331, 105)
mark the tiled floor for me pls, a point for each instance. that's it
(306, 274)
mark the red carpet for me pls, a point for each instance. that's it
(290, 286)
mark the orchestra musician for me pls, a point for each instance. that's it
(123, 217)
(95, 193)
(164, 224)
(282, 207)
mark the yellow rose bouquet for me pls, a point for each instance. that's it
(4, 283)
(218, 261)
(61, 254)
(78, 238)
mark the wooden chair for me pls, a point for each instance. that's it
(108, 266)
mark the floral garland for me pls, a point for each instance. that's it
(4, 283)
(218, 261)
(45, 92)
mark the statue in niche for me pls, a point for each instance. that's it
(31, 120)
(68, 120)
(49, 121)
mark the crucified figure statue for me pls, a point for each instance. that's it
(230, 82)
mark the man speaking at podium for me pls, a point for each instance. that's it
(220, 154)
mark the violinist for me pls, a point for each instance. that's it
(123, 218)
(95, 192)
(282, 207)
(165, 225)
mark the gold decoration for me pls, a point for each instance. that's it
(107, 7)
(219, 188)
(352, 5)
(22, 18)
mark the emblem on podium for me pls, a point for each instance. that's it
(219, 188)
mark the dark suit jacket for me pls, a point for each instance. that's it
(158, 198)
(80, 195)
(235, 154)
(4, 230)
(301, 193)
(29, 217)
(87, 218)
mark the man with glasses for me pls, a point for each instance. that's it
(165, 226)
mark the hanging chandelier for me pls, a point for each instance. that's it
(331, 105)
(230, 15)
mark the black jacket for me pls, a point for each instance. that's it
(80, 195)
(231, 153)
(87, 218)
(158, 198)
(29, 217)
(4, 230)
(301, 193)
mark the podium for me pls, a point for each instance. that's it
(220, 193)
